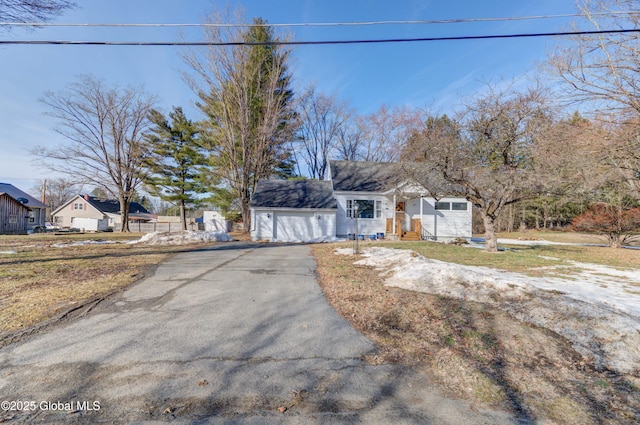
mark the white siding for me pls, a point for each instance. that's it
(293, 225)
(443, 224)
(366, 226)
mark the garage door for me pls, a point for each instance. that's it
(297, 226)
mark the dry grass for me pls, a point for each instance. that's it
(476, 352)
(40, 281)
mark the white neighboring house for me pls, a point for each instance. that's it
(386, 199)
(91, 207)
(293, 211)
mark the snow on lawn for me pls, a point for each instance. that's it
(161, 238)
(80, 243)
(183, 238)
(595, 307)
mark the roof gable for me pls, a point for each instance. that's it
(16, 193)
(293, 194)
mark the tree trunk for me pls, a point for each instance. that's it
(615, 240)
(246, 216)
(183, 215)
(124, 214)
(490, 237)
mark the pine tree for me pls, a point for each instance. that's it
(175, 161)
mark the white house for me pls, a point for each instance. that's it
(386, 193)
(384, 197)
(91, 207)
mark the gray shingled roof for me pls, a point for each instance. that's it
(361, 176)
(293, 194)
(113, 205)
(16, 193)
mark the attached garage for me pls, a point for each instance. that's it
(293, 211)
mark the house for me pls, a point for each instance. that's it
(37, 210)
(83, 207)
(299, 210)
(370, 199)
(14, 216)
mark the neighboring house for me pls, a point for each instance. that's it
(14, 216)
(298, 210)
(37, 210)
(386, 200)
(91, 207)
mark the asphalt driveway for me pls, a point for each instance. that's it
(238, 333)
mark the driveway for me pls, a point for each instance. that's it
(238, 333)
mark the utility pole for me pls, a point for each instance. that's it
(44, 191)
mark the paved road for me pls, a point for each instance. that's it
(222, 335)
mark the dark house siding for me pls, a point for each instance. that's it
(14, 216)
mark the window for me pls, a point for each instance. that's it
(32, 217)
(443, 205)
(366, 208)
(13, 219)
(459, 206)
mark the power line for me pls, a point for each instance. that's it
(316, 24)
(307, 43)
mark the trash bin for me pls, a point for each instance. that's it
(380, 235)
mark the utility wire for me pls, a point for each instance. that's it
(317, 24)
(307, 43)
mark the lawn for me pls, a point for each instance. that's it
(478, 352)
(39, 279)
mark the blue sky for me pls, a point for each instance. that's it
(432, 75)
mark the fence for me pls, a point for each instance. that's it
(136, 226)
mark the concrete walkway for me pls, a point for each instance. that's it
(239, 333)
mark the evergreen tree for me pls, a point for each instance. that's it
(248, 103)
(175, 161)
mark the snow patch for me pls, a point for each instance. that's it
(183, 238)
(598, 309)
(80, 243)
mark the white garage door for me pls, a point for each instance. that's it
(297, 226)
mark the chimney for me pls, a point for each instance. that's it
(86, 197)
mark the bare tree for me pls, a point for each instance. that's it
(486, 155)
(103, 127)
(322, 121)
(385, 132)
(244, 91)
(602, 71)
(32, 10)
(58, 190)
(349, 140)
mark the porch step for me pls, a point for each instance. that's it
(410, 236)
